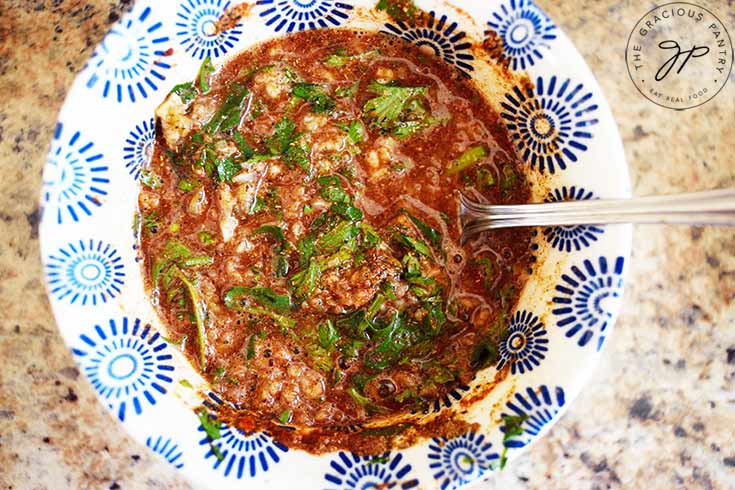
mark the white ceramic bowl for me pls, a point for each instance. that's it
(562, 129)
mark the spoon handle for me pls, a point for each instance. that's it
(696, 208)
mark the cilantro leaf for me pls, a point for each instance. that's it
(229, 114)
(315, 95)
(206, 69)
(185, 91)
(390, 103)
(227, 168)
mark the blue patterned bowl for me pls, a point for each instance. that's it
(561, 127)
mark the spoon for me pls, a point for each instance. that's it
(695, 208)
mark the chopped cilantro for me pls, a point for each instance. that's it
(387, 107)
(285, 417)
(150, 179)
(315, 95)
(185, 91)
(470, 157)
(206, 69)
(227, 168)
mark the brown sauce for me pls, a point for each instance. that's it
(299, 228)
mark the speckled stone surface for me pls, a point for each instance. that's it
(659, 412)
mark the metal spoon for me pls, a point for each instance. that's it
(695, 208)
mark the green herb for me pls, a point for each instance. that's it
(315, 95)
(390, 103)
(297, 155)
(332, 240)
(307, 249)
(205, 238)
(275, 232)
(488, 270)
(347, 211)
(305, 282)
(185, 383)
(197, 261)
(219, 372)
(355, 131)
(379, 460)
(345, 92)
(227, 169)
(150, 179)
(513, 427)
(206, 69)
(285, 417)
(370, 236)
(185, 185)
(339, 58)
(399, 10)
(283, 142)
(331, 189)
(185, 91)
(282, 321)
(359, 397)
(484, 354)
(246, 151)
(150, 221)
(264, 296)
(407, 394)
(467, 159)
(431, 234)
(250, 353)
(485, 178)
(510, 179)
(211, 427)
(229, 114)
(200, 312)
(327, 334)
(414, 244)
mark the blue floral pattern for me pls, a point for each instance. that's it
(538, 406)
(129, 62)
(461, 460)
(197, 30)
(442, 37)
(352, 472)
(579, 304)
(298, 15)
(76, 177)
(525, 30)
(525, 345)
(139, 146)
(550, 123)
(87, 271)
(127, 363)
(568, 238)
(449, 399)
(168, 449)
(242, 454)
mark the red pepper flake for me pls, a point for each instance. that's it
(168, 52)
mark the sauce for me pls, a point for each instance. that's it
(300, 229)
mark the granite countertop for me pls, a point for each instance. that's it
(659, 412)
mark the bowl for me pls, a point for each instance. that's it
(562, 129)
